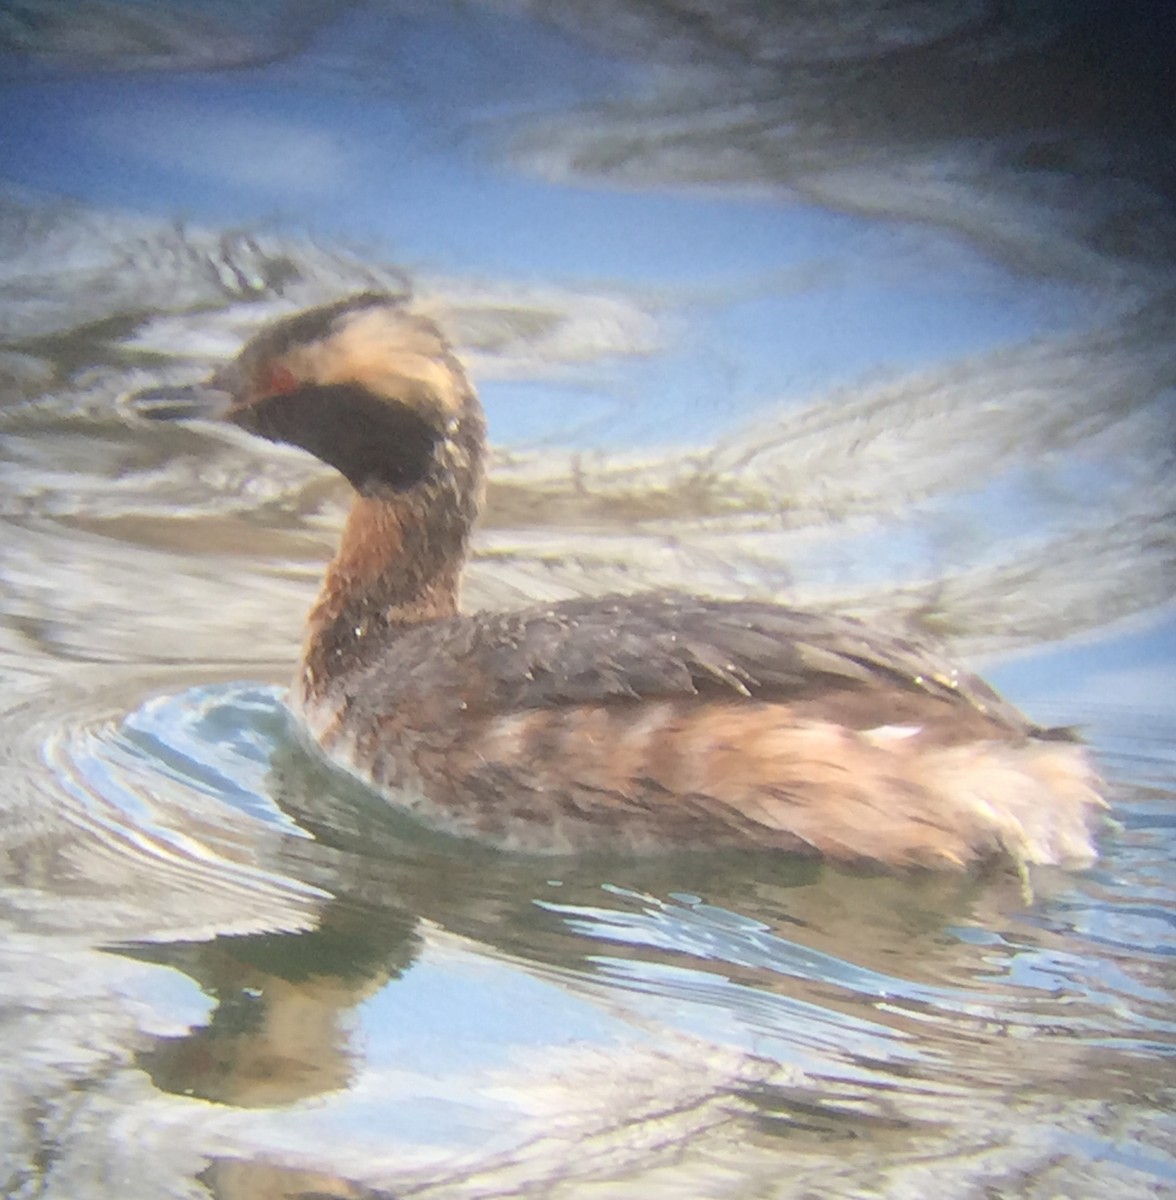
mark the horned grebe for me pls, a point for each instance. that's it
(627, 722)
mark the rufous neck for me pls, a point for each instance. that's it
(398, 566)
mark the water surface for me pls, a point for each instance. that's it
(868, 307)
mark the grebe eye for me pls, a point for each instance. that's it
(279, 380)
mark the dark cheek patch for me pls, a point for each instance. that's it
(375, 443)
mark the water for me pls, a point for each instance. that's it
(871, 308)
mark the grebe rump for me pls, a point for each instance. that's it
(628, 722)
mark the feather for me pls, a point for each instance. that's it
(667, 646)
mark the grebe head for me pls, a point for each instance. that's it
(365, 385)
(376, 392)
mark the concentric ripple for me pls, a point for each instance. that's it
(165, 812)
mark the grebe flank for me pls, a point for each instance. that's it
(627, 722)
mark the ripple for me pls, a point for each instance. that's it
(168, 807)
(218, 740)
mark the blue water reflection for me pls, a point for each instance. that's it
(773, 301)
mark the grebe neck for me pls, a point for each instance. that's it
(399, 560)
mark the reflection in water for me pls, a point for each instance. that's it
(227, 970)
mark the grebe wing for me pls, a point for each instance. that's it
(658, 721)
(665, 646)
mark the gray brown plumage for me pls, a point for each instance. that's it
(633, 723)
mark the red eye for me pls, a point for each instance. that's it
(279, 380)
